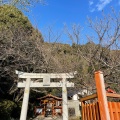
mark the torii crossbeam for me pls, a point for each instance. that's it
(46, 83)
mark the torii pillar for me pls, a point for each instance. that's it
(64, 98)
(46, 83)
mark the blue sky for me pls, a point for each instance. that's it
(57, 13)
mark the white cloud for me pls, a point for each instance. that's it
(102, 4)
(91, 3)
(92, 10)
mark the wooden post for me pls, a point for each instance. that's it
(102, 99)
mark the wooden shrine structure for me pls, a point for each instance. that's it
(49, 105)
(97, 106)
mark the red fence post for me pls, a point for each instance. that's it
(102, 99)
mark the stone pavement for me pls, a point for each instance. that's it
(48, 118)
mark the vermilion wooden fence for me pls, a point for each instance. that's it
(96, 106)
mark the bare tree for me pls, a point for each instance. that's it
(74, 34)
(19, 51)
(102, 56)
(107, 30)
(22, 4)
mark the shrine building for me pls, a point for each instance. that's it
(49, 105)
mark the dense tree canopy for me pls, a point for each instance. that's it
(18, 51)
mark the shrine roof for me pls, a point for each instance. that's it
(49, 96)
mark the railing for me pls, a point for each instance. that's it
(96, 106)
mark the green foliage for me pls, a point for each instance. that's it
(11, 16)
(6, 108)
(12, 21)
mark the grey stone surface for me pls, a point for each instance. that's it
(74, 104)
(48, 118)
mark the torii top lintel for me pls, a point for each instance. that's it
(42, 75)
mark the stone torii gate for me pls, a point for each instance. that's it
(28, 82)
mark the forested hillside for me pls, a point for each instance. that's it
(18, 51)
(85, 59)
(22, 48)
